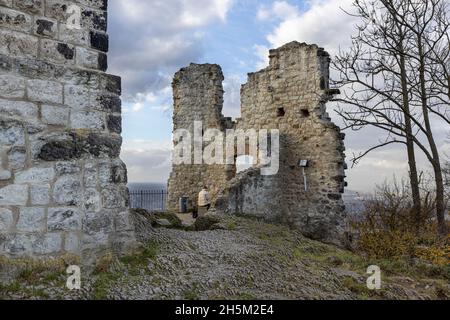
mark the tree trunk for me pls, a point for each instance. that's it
(440, 191)
(413, 174)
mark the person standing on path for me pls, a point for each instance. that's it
(203, 199)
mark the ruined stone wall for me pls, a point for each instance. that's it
(289, 95)
(250, 193)
(62, 184)
(198, 96)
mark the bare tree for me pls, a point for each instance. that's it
(390, 81)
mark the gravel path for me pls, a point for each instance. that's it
(249, 260)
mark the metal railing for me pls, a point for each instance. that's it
(151, 200)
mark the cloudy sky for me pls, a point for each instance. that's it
(152, 39)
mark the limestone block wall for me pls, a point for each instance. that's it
(250, 193)
(198, 96)
(62, 184)
(290, 95)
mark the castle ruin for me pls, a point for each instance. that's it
(290, 95)
(62, 185)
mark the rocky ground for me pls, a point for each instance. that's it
(241, 259)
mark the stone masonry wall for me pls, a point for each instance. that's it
(289, 95)
(198, 96)
(62, 184)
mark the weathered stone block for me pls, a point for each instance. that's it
(57, 9)
(94, 241)
(90, 177)
(104, 145)
(89, 59)
(67, 191)
(6, 219)
(57, 52)
(115, 197)
(92, 201)
(45, 91)
(87, 120)
(30, 6)
(64, 219)
(98, 223)
(18, 44)
(50, 243)
(75, 36)
(96, 4)
(58, 116)
(35, 175)
(46, 27)
(31, 220)
(19, 109)
(12, 86)
(72, 243)
(76, 97)
(67, 167)
(92, 19)
(99, 41)
(122, 222)
(17, 157)
(17, 244)
(14, 195)
(15, 20)
(107, 103)
(6, 3)
(40, 194)
(12, 133)
(5, 175)
(114, 123)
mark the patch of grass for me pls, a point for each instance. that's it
(103, 264)
(193, 293)
(39, 293)
(16, 288)
(205, 223)
(359, 289)
(102, 284)
(245, 296)
(52, 277)
(7, 289)
(413, 268)
(334, 257)
(140, 259)
(175, 222)
(231, 225)
(137, 263)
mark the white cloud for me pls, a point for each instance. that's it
(279, 9)
(200, 12)
(263, 13)
(232, 97)
(150, 40)
(147, 161)
(262, 53)
(323, 23)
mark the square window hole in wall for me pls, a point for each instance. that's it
(305, 113)
(281, 112)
